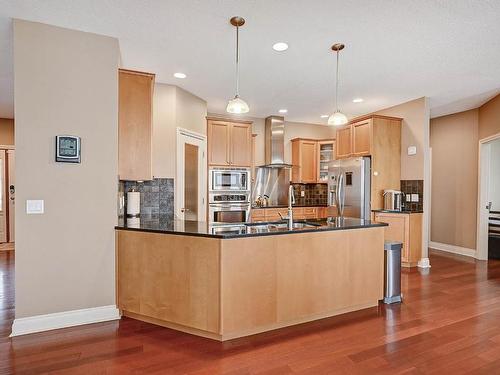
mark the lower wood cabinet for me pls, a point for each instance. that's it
(299, 213)
(407, 229)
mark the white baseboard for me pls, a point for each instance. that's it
(40, 323)
(453, 249)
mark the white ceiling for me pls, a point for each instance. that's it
(395, 50)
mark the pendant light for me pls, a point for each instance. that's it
(337, 118)
(237, 105)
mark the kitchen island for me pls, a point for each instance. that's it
(231, 281)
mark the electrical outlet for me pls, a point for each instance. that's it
(414, 197)
(408, 197)
(34, 207)
(302, 193)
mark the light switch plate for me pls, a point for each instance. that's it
(412, 150)
(408, 197)
(34, 207)
(414, 197)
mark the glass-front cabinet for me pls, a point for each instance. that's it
(326, 150)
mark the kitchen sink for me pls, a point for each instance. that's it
(281, 225)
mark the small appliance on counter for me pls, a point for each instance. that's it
(393, 200)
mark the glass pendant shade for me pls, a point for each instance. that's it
(337, 119)
(237, 105)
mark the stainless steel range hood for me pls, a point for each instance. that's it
(275, 143)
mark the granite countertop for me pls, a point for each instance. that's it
(399, 212)
(286, 206)
(228, 230)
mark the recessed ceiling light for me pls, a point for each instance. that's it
(280, 46)
(357, 100)
(283, 111)
(325, 116)
(180, 75)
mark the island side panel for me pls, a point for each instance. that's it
(248, 282)
(166, 278)
(297, 278)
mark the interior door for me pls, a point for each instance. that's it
(3, 199)
(191, 173)
(11, 187)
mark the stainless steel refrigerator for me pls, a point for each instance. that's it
(349, 185)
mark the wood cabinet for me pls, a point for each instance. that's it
(304, 160)
(361, 138)
(407, 229)
(310, 159)
(354, 139)
(135, 125)
(343, 141)
(229, 142)
(299, 213)
(378, 137)
(326, 154)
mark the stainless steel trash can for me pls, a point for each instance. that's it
(392, 293)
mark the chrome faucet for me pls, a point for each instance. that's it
(291, 202)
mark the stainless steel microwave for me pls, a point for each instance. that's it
(229, 179)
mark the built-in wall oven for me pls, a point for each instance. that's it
(229, 179)
(229, 207)
(229, 195)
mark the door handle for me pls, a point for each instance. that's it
(488, 206)
(184, 209)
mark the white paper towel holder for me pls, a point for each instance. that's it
(133, 209)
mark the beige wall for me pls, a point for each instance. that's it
(415, 119)
(173, 107)
(65, 83)
(415, 132)
(292, 130)
(489, 118)
(6, 131)
(454, 142)
(164, 131)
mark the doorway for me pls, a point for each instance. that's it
(488, 210)
(7, 197)
(191, 176)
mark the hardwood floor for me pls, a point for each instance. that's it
(448, 323)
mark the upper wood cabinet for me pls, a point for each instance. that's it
(304, 160)
(354, 139)
(326, 154)
(361, 138)
(135, 125)
(343, 141)
(379, 137)
(229, 142)
(310, 159)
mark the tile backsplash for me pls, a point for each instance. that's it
(410, 187)
(314, 194)
(157, 197)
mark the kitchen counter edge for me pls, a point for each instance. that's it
(244, 235)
